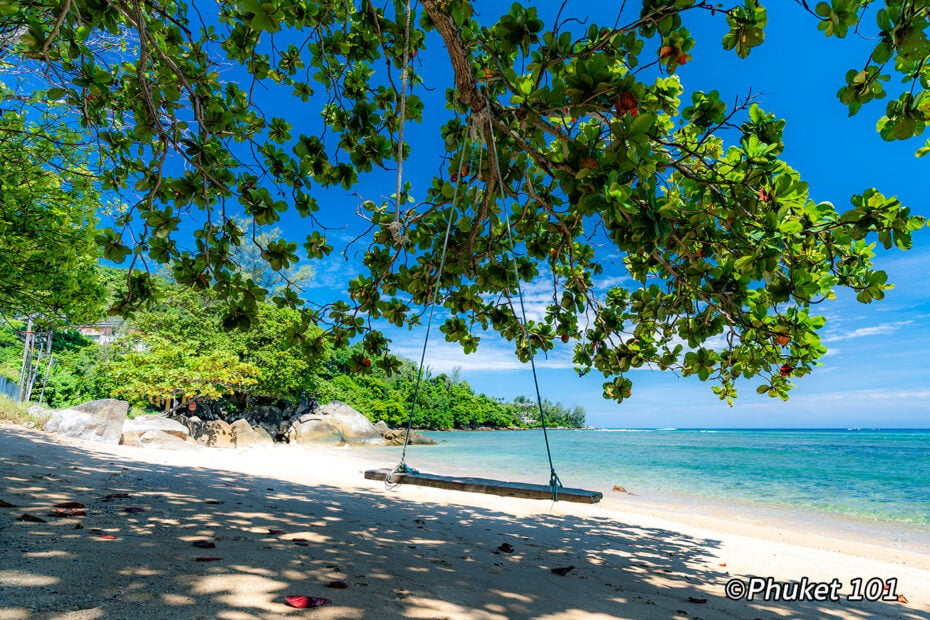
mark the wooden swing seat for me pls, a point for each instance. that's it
(484, 485)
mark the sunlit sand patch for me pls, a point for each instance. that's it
(241, 590)
(10, 578)
(306, 536)
(50, 554)
(141, 571)
(176, 600)
(419, 607)
(575, 614)
(513, 595)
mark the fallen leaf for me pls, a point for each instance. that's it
(722, 564)
(70, 505)
(902, 599)
(562, 570)
(4, 504)
(306, 602)
(338, 584)
(697, 601)
(207, 559)
(31, 518)
(108, 537)
(67, 512)
(112, 496)
(302, 544)
(204, 544)
(133, 509)
(213, 501)
(275, 532)
(506, 548)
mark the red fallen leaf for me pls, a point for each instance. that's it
(108, 537)
(4, 504)
(275, 532)
(902, 599)
(30, 518)
(338, 584)
(112, 496)
(207, 559)
(204, 544)
(70, 505)
(67, 512)
(697, 601)
(722, 564)
(306, 602)
(133, 509)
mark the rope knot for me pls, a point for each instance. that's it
(397, 235)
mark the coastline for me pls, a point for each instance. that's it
(411, 552)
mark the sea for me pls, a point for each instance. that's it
(854, 475)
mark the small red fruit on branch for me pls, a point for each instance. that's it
(366, 363)
(627, 103)
(785, 370)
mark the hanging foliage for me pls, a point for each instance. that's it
(577, 137)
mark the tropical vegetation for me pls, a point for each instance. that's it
(566, 141)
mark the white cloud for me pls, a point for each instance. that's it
(493, 355)
(861, 395)
(874, 330)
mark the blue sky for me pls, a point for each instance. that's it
(877, 371)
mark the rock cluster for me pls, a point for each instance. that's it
(305, 423)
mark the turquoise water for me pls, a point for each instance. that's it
(873, 474)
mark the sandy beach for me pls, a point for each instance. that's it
(276, 522)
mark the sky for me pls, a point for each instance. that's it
(877, 371)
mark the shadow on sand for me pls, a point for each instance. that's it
(273, 538)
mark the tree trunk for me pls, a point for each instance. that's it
(27, 360)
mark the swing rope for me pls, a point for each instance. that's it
(554, 482)
(403, 116)
(402, 467)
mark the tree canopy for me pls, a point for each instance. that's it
(48, 205)
(560, 136)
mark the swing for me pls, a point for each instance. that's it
(404, 474)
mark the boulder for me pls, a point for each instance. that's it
(143, 424)
(131, 439)
(382, 427)
(97, 420)
(192, 423)
(396, 438)
(215, 434)
(162, 440)
(38, 411)
(245, 435)
(334, 423)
